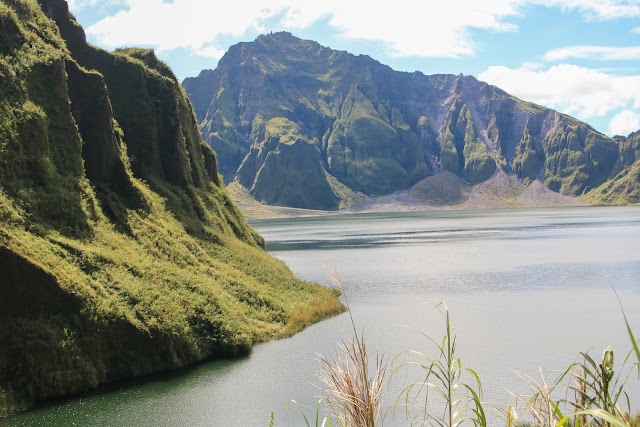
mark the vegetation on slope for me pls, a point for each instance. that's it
(624, 186)
(122, 255)
(623, 189)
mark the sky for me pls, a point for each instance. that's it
(580, 57)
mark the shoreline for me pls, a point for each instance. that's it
(442, 192)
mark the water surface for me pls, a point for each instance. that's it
(526, 289)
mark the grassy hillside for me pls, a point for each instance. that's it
(624, 186)
(623, 189)
(122, 255)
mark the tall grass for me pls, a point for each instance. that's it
(541, 406)
(444, 376)
(353, 390)
(351, 381)
(594, 394)
(599, 391)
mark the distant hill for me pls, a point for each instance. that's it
(301, 125)
(121, 254)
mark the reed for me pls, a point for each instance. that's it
(351, 383)
(540, 405)
(600, 392)
(445, 376)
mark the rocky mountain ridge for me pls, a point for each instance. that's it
(301, 125)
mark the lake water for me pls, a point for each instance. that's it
(526, 289)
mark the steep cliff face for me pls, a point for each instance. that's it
(121, 253)
(379, 130)
(274, 167)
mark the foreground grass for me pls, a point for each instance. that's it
(594, 394)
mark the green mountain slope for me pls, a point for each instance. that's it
(121, 253)
(372, 130)
(624, 186)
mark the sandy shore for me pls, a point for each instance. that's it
(444, 191)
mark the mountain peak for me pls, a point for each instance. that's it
(377, 130)
(278, 35)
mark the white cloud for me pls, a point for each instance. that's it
(405, 27)
(597, 9)
(409, 27)
(571, 89)
(624, 123)
(210, 52)
(532, 65)
(418, 28)
(636, 30)
(191, 24)
(605, 53)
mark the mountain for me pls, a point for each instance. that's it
(301, 125)
(624, 186)
(121, 253)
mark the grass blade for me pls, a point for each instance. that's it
(613, 420)
(634, 343)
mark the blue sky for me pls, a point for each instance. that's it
(581, 57)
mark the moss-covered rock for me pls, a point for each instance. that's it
(462, 152)
(285, 168)
(478, 164)
(525, 163)
(366, 153)
(576, 158)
